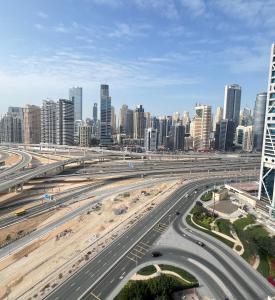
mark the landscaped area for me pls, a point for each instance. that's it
(161, 287)
(207, 196)
(148, 270)
(255, 239)
(224, 226)
(257, 242)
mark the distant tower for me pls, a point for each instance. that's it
(75, 95)
(202, 127)
(259, 120)
(232, 103)
(139, 122)
(95, 113)
(105, 116)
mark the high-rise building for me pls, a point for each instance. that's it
(84, 135)
(31, 124)
(147, 117)
(139, 122)
(129, 127)
(224, 135)
(95, 113)
(179, 133)
(75, 95)
(151, 139)
(162, 130)
(105, 116)
(48, 121)
(77, 124)
(258, 121)
(123, 118)
(65, 122)
(245, 117)
(113, 120)
(186, 121)
(244, 137)
(176, 117)
(201, 128)
(232, 103)
(217, 117)
(266, 194)
(11, 128)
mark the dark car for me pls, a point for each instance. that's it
(177, 213)
(200, 243)
(156, 254)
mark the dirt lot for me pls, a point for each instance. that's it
(65, 242)
(12, 159)
(17, 230)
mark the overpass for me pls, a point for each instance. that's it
(56, 167)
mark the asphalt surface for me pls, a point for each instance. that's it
(18, 244)
(104, 273)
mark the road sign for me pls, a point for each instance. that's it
(48, 197)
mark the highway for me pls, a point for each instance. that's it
(99, 277)
(99, 196)
(26, 158)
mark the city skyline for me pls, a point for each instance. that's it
(129, 47)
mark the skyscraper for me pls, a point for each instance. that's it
(258, 121)
(151, 139)
(218, 117)
(65, 122)
(48, 121)
(129, 126)
(123, 118)
(186, 121)
(139, 122)
(31, 124)
(113, 119)
(266, 194)
(201, 128)
(105, 116)
(95, 113)
(75, 95)
(57, 122)
(11, 128)
(224, 135)
(232, 103)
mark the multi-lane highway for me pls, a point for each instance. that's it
(25, 159)
(100, 276)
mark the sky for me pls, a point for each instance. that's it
(165, 54)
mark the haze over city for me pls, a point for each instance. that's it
(152, 52)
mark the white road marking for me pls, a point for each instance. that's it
(77, 289)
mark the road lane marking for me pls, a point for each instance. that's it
(112, 280)
(77, 289)
(138, 251)
(142, 248)
(135, 254)
(145, 245)
(131, 259)
(95, 296)
(73, 284)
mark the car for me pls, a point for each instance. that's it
(200, 243)
(177, 213)
(122, 275)
(156, 254)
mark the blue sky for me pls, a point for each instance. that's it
(164, 54)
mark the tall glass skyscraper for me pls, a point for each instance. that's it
(105, 116)
(75, 95)
(232, 103)
(267, 175)
(259, 120)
